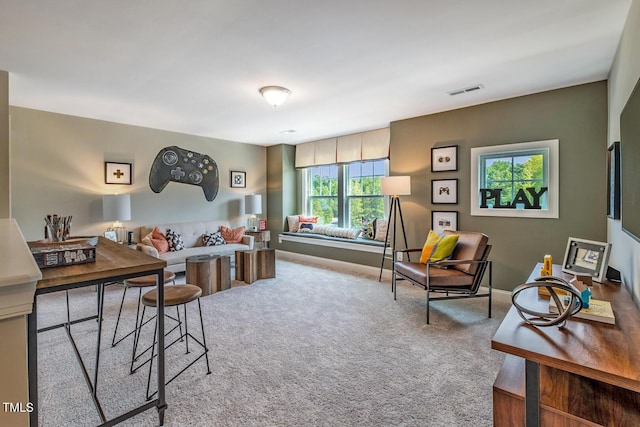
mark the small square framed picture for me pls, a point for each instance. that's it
(444, 191)
(238, 179)
(444, 220)
(444, 159)
(117, 173)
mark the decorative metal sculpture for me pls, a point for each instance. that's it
(551, 283)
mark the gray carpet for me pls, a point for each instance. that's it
(313, 347)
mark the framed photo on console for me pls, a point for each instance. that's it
(238, 179)
(444, 191)
(444, 159)
(586, 257)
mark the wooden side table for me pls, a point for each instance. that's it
(263, 236)
(255, 264)
(211, 273)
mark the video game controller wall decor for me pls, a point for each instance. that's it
(188, 167)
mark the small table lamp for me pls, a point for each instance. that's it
(253, 207)
(116, 208)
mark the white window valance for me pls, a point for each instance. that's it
(371, 145)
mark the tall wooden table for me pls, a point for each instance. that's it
(114, 262)
(586, 373)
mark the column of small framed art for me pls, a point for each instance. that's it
(444, 191)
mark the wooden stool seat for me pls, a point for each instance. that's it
(145, 281)
(140, 283)
(177, 295)
(173, 295)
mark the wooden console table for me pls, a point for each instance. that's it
(586, 373)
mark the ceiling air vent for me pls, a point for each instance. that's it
(465, 90)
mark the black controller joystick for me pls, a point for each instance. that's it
(188, 167)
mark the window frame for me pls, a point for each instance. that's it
(342, 196)
(308, 199)
(550, 167)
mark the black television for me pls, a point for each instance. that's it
(630, 164)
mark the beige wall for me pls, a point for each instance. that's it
(5, 188)
(13, 370)
(58, 167)
(625, 252)
(576, 116)
(13, 332)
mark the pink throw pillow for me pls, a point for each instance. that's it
(232, 235)
(159, 241)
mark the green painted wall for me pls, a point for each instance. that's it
(577, 116)
(58, 160)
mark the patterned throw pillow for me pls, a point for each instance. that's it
(213, 239)
(174, 240)
(429, 245)
(293, 222)
(311, 219)
(438, 247)
(368, 228)
(445, 247)
(232, 235)
(381, 229)
(159, 241)
(305, 227)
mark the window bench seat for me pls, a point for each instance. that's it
(359, 244)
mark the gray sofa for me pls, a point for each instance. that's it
(191, 233)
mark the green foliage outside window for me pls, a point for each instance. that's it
(365, 200)
(514, 173)
(324, 193)
(362, 197)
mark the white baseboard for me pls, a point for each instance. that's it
(364, 270)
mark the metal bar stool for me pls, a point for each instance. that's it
(175, 296)
(141, 282)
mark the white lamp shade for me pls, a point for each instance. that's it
(396, 185)
(275, 95)
(116, 207)
(253, 204)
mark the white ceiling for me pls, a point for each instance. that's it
(352, 65)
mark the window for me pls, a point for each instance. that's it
(364, 195)
(515, 180)
(322, 193)
(342, 194)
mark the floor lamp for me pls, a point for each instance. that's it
(394, 187)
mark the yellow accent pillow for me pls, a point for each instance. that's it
(444, 248)
(427, 250)
(433, 239)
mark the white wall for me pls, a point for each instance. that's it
(58, 167)
(625, 252)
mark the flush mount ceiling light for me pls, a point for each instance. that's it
(275, 95)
